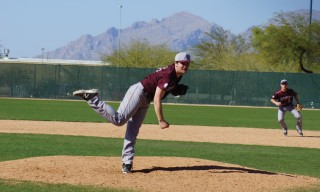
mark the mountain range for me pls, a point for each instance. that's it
(180, 32)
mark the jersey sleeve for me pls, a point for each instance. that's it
(163, 83)
(274, 96)
(164, 77)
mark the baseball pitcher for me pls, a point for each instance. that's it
(133, 108)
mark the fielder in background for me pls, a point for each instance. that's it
(133, 108)
(283, 98)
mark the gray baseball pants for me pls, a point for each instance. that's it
(281, 112)
(132, 110)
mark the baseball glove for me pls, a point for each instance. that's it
(180, 89)
(298, 107)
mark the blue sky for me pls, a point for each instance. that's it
(29, 25)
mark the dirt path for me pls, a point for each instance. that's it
(157, 173)
(250, 136)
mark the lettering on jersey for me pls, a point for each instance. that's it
(170, 87)
(160, 69)
(286, 99)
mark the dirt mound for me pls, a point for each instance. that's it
(150, 174)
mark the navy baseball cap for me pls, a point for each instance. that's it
(283, 81)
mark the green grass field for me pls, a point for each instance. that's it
(78, 111)
(292, 160)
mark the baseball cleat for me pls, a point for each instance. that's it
(300, 132)
(285, 132)
(126, 168)
(86, 94)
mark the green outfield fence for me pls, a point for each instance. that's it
(205, 86)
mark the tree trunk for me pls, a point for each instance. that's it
(303, 51)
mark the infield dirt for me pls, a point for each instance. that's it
(157, 173)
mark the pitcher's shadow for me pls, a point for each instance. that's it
(223, 169)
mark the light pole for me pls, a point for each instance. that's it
(310, 19)
(42, 49)
(119, 33)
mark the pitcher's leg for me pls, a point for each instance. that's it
(103, 109)
(128, 106)
(132, 131)
(133, 99)
(91, 96)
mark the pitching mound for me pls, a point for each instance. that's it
(150, 174)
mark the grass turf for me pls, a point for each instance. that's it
(60, 110)
(303, 161)
(25, 186)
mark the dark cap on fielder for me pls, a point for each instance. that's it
(183, 56)
(283, 81)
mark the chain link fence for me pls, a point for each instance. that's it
(205, 86)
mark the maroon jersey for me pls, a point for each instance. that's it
(285, 98)
(164, 78)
